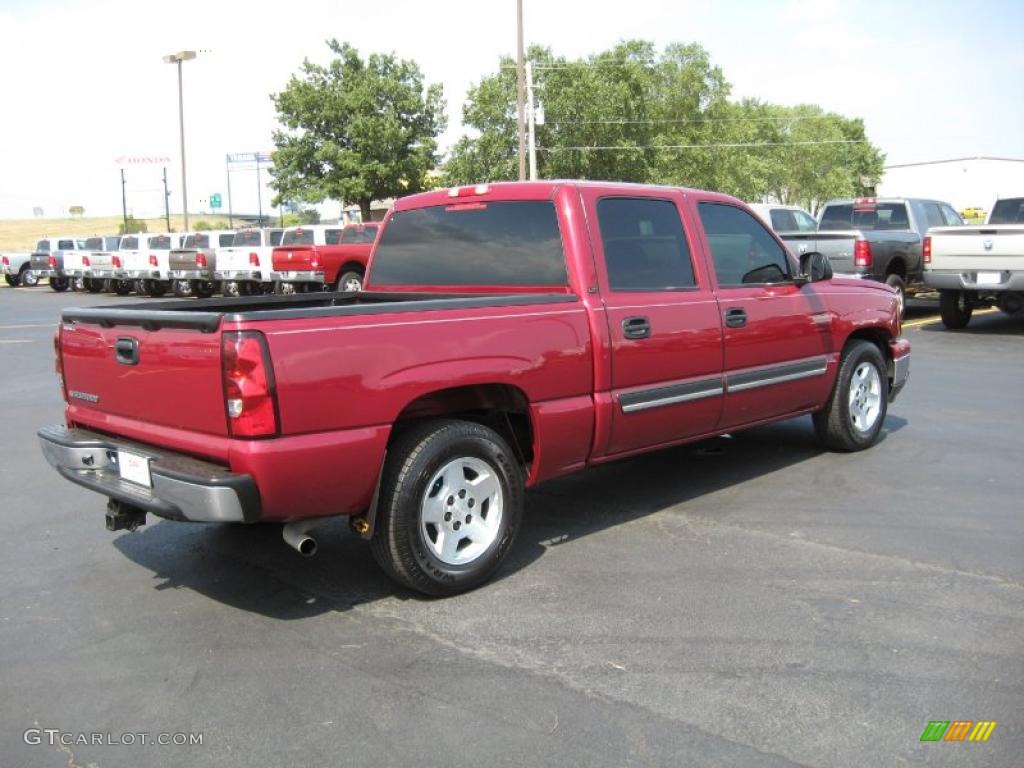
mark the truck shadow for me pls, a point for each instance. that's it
(250, 568)
(992, 324)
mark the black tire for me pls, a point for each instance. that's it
(27, 278)
(955, 309)
(139, 286)
(897, 282)
(92, 285)
(286, 289)
(155, 288)
(182, 288)
(204, 289)
(231, 288)
(347, 282)
(122, 287)
(401, 544)
(836, 424)
(60, 284)
(12, 280)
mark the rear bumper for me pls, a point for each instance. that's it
(238, 274)
(145, 274)
(300, 276)
(183, 488)
(951, 280)
(49, 272)
(900, 351)
(191, 274)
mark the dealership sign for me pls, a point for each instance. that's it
(248, 161)
(129, 161)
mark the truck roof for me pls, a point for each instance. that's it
(536, 190)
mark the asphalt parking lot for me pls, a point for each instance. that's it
(750, 601)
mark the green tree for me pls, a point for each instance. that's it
(131, 226)
(356, 131)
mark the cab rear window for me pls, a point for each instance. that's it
(1008, 211)
(250, 238)
(479, 244)
(160, 242)
(880, 216)
(358, 234)
(197, 241)
(298, 237)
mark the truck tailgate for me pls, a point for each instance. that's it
(288, 258)
(971, 248)
(175, 379)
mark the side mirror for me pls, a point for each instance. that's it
(815, 267)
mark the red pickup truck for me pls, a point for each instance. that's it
(508, 334)
(317, 257)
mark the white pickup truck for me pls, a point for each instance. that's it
(243, 268)
(150, 266)
(978, 266)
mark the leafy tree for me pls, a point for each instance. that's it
(131, 226)
(356, 131)
(304, 216)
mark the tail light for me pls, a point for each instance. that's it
(862, 254)
(926, 250)
(52, 261)
(152, 260)
(5, 261)
(115, 262)
(254, 259)
(58, 364)
(249, 395)
(314, 261)
(201, 260)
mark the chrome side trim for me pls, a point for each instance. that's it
(803, 369)
(645, 399)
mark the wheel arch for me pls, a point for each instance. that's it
(896, 266)
(880, 337)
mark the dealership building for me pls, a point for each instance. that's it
(965, 182)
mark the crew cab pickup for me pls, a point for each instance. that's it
(243, 268)
(48, 260)
(978, 266)
(193, 265)
(78, 263)
(149, 268)
(507, 334)
(323, 256)
(876, 238)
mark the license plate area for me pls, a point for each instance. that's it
(134, 468)
(989, 278)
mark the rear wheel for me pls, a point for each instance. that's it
(92, 285)
(285, 289)
(204, 288)
(12, 280)
(955, 309)
(78, 284)
(350, 282)
(897, 282)
(182, 288)
(450, 504)
(155, 288)
(853, 417)
(60, 284)
(122, 287)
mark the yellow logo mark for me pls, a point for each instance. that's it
(982, 730)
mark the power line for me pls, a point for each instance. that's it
(691, 120)
(710, 146)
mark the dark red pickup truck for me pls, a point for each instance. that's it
(317, 257)
(508, 334)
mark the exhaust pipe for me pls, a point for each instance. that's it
(297, 536)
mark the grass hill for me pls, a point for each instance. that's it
(22, 234)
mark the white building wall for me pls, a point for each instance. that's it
(969, 182)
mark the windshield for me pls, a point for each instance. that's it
(359, 234)
(298, 237)
(499, 244)
(867, 216)
(1008, 211)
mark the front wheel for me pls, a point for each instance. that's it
(60, 284)
(450, 504)
(955, 309)
(27, 277)
(853, 416)
(350, 282)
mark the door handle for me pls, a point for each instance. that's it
(636, 327)
(126, 351)
(736, 317)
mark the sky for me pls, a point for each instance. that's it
(83, 83)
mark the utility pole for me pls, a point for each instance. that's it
(259, 194)
(178, 58)
(227, 167)
(520, 89)
(124, 202)
(167, 203)
(531, 113)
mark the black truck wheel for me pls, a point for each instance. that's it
(203, 288)
(60, 284)
(895, 281)
(955, 309)
(122, 287)
(350, 282)
(853, 416)
(27, 278)
(450, 504)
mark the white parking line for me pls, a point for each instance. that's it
(27, 325)
(16, 341)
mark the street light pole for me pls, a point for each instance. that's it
(520, 89)
(178, 58)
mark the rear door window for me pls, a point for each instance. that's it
(743, 251)
(645, 248)
(1008, 211)
(472, 244)
(932, 215)
(951, 217)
